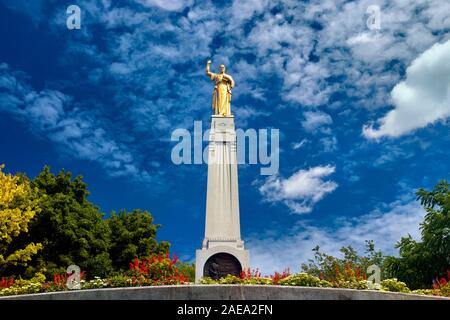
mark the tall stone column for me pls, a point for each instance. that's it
(223, 250)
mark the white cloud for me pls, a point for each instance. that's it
(78, 133)
(319, 122)
(282, 43)
(298, 145)
(153, 69)
(363, 38)
(301, 191)
(329, 143)
(275, 251)
(422, 98)
(315, 120)
(244, 10)
(169, 5)
(245, 113)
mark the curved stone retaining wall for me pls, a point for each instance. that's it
(222, 292)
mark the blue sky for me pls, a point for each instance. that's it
(362, 113)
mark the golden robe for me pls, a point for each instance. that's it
(222, 94)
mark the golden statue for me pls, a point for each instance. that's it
(222, 90)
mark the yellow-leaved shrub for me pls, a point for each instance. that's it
(17, 208)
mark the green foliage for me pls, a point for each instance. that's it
(258, 280)
(305, 280)
(421, 262)
(327, 267)
(153, 270)
(394, 285)
(414, 266)
(299, 279)
(133, 235)
(187, 269)
(34, 285)
(72, 230)
(18, 206)
(120, 281)
(208, 280)
(445, 290)
(426, 292)
(70, 227)
(96, 283)
(352, 283)
(231, 279)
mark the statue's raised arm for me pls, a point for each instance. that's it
(208, 70)
(222, 90)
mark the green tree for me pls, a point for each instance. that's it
(421, 262)
(133, 235)
(70, 227)
(436, 226)
(72, 230)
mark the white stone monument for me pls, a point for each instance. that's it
(223, 250)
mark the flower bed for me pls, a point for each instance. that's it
(347, 280)
(163, 270)
(152, 271)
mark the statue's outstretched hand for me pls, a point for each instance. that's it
(208, 62)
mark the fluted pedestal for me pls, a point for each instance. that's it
(222, 250)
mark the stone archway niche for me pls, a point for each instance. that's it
(220, 265)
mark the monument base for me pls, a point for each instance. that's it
(219, 260)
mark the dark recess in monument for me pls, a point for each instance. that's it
(220, 265)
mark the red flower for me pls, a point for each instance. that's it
(156, 270)
(349, 270)
(6, 282)
(336, 269)
(358, 272)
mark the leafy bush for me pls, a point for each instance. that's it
(20, 286)
(348, 277)
(445, 290)
(353, 284)
(208, 280)
(258, 280)
(157, 270)
(394, 285)
(352, 264)
(133, 234)
(277, 277)
(254, 277)
(246, 277)
(187, 269)
(96, 283)
(18, 207)
(427, 292)
(230, 279)
(305, 280)
(120, 281)
(23, 288)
